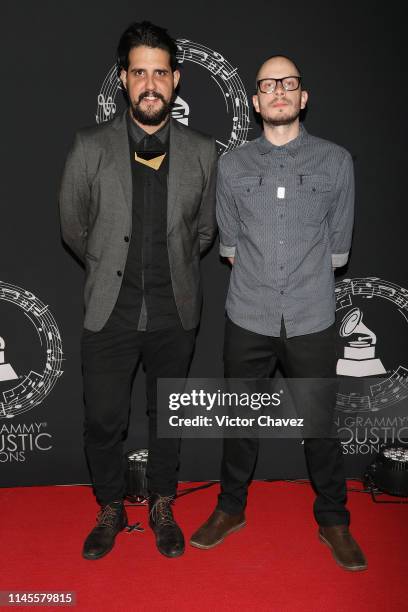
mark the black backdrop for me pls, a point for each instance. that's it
(55, 58)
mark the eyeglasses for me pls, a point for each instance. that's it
(289, 83)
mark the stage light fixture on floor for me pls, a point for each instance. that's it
(136, 481)
(389, 472)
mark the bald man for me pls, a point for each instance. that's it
(285, 206)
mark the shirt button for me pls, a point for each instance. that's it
(282, 292)
(119, 273)
(126, 239)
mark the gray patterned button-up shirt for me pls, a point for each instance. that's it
(286, 214)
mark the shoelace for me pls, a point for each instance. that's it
(161, 511)
(107, 516)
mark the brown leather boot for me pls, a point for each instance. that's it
(345, 549)
(216, 528)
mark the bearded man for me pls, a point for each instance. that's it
(137, 207)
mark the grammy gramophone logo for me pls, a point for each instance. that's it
(371, 379)
(359, 352)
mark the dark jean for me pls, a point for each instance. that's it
(251, 355)
(110, 359)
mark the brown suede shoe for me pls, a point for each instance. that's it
(345, 549)
(219, 525)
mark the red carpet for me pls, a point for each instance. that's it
(275, 563)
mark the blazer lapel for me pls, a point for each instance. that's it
(178, 164)
(120, 147)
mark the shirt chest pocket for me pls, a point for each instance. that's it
(248, 193)
(246, 186)
(314, 194)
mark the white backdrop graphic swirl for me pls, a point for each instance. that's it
(31, 388)
(392, 388)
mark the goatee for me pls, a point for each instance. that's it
(284, 121)
(153, 117)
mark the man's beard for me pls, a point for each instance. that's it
(153, 117)
(287, 120)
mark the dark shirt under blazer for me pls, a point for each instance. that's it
(146, 300)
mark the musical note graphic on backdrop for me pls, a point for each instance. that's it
(392, 388)
(29, 389)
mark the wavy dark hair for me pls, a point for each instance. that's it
(145, 34)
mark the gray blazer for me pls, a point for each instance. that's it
(96, 213)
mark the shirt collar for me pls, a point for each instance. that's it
(291, 147)
(137, 133)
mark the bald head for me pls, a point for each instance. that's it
(277, 66)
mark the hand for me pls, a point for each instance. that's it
(231, 260)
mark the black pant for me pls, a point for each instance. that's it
(251, 355)
(110, 360)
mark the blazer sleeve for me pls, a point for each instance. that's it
(207, 224)
(227, 214)
(74, 200)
